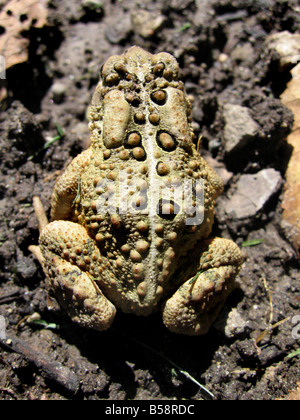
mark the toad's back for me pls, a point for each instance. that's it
(142, 180)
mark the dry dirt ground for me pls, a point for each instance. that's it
(224, 62)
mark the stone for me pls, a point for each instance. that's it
(243, 53)
(26, 267)
(58, 91)
(92, 4)
(146, 23)
(203, 13)
(220, 169)
(236, 324)
(240, 128)
(253, 193)
(231, 323)
(118, 28)
(287, 46)
(2, 328)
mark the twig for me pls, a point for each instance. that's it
(53, 370)
(10, 297)
(270, 329)
(270, 299)
(9, 392)
(40, 213)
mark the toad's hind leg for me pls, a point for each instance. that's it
(195, 305)
(70, 262)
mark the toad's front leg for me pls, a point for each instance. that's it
(196, 304)
(71, 264)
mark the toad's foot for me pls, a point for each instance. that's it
(196, 304)
(69, 262)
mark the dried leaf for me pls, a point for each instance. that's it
(291, 201)
(16, 18)
(293, 395)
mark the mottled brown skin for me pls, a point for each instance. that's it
(96, 261)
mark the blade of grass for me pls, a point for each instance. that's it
(45, 324)
(60, 134)
(182, 371)
(253, 242)
(294, 354)
(184, 27)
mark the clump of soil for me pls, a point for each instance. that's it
(225, 64)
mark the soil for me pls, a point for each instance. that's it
(220, 46)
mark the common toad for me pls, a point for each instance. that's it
(131, 215)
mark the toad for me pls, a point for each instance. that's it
(131, 216)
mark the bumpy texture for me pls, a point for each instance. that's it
(128, 230)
